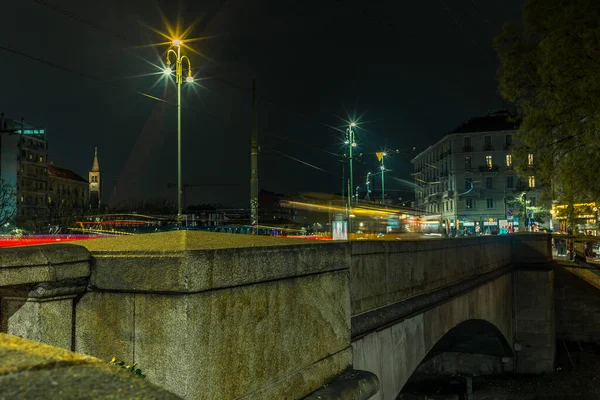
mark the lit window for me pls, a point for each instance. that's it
(41, 159)
(490, 203)
(508, 160)
(531, 181)
(530, 159)
(488, 161)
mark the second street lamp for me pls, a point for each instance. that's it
(176, 44)
(351, 145)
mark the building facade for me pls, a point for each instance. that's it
(467, 179)
(66, 187)
(24, 167)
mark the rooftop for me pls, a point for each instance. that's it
(499, 121)
(64, 174)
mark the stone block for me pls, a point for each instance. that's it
(350, 385)
(30, 370)
(192, 261)
(36, 264)
(105, 325)
(247, 339)
(44, 320)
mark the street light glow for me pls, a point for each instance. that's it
(189, 79)
(354, 144)
(167, 71)
(384, 154)
(176, 42)
(353, 124)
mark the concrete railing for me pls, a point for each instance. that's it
(209, 315)
(204, 315)
(384, 273)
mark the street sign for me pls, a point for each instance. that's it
(510, 212)
(529, 214)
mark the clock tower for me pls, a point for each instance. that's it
(95, 183)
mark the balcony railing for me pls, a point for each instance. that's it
(488, 168)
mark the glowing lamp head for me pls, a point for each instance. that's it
(167, 71)
(353, 124)
(176, 42)
(346, 142)
(354, 144)
(384, 154)
(189, 79)
(382, 168)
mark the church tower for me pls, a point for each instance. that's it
(95, 182)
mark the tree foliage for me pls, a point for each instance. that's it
(8, 202)
(550, 69)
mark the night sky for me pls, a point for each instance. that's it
(411, 70)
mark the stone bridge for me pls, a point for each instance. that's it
(218, 316)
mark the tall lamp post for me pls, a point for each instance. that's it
(350, 141)
(380, 156)
(175, 49)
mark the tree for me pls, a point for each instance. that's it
(8, 203)
(550, 69)
(61, 213)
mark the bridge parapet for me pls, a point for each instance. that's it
(238, 315)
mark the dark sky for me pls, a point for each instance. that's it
(412, 70)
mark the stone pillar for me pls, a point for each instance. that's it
(43, 312)
(535, 338)
(37, 288)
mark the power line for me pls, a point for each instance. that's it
(78, 18)
(220, 78)
(81, 74)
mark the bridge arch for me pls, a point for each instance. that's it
(478, 322)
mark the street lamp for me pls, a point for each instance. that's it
(176, 44)
(383, 179)
(351, 145)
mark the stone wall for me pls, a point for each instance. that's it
(577, 304)
(220, 316)
(535, 336)
(385, 272)
(38, 285)
(208, 314)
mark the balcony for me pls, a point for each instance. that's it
(488, 168)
